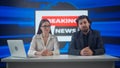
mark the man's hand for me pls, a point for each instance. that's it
(86, 52)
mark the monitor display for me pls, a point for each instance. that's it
(63, 23)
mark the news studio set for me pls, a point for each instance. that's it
(19, 19)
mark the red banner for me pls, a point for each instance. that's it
(61, 20)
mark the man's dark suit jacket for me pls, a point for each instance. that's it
(94, 42)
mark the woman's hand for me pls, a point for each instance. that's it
(47, 53)
(44, 53)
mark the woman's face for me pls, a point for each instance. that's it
(45, 27)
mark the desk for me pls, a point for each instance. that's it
(62, 61)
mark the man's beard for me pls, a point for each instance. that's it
(85, 29)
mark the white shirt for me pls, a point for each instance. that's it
(37, 44)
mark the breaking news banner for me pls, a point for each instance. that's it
(62, 22)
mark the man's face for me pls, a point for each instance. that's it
(83, 25)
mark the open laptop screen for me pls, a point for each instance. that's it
(16, 48)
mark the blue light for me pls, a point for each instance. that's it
(16, 12)
(100, 15)
(64, 50)
(112, 49)
(18, 36)
(107, 28)
(82, 4)
(21, 23)
(4, 51)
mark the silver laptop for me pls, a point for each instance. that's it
(16, 48)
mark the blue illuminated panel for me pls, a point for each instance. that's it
(108, 28)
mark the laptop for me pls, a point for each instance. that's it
(16, 48)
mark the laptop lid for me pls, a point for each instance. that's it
(16, 48)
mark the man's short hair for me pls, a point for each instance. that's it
(83, 17)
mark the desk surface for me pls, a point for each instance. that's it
(62, 58)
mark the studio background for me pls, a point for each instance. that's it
(17, 21)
